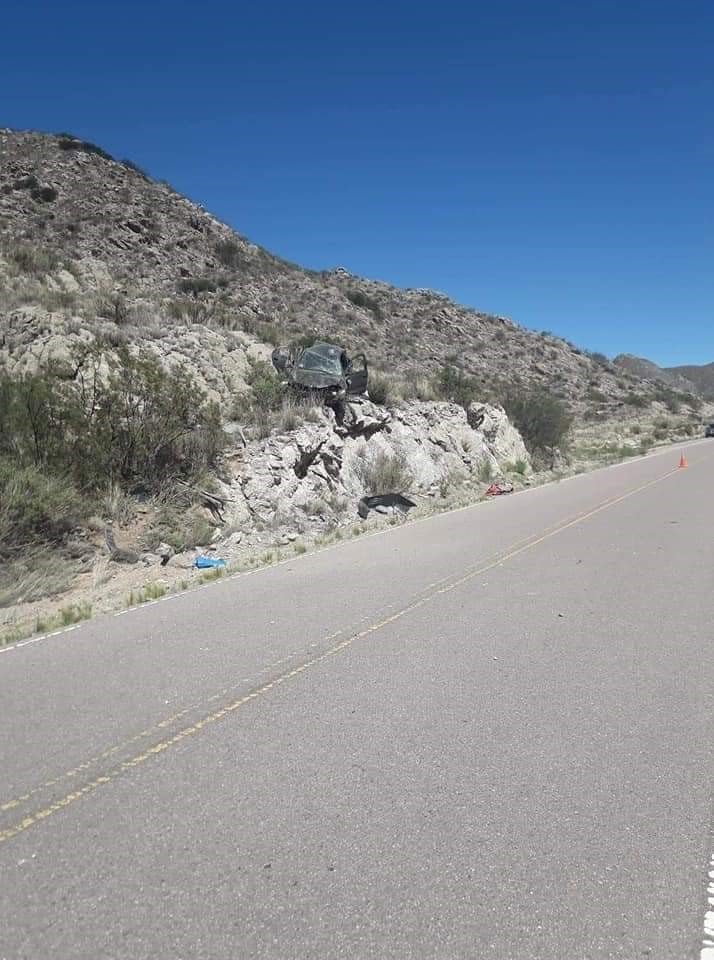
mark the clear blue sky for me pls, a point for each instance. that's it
(549, 160)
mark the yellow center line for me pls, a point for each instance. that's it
(446, 585)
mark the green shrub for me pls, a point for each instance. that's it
(636, 400)
(542, 420)
(268, 333)
(673, 404)
(136, 425)
(363, 300)
(31, 573)
(229, 253)
(384, 473)
(34, 261)
(595, 396)
(451, 384)
(196, 285)
(266, 388)
(36, 507)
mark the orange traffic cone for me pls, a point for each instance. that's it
(682, 462)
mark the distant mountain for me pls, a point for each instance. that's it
(689, 379)
(701, 376)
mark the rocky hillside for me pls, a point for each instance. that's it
(92, 248)
(696, 379)
(118, 298)
(700, 376)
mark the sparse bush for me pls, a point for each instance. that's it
(181, 527)
(36, 507)
(485, 471)
(46, 194)
(595, 396)
(113, 306)
(75, 613)
(266, 387)
(130, 165)
(673, 404)
(636, 400)
(67, 142)
(138, 424)
(32, 574)
(268, 333)
(382, 472)
(196, 285)
(229, 253)
(56, 300)
(542, 419)
(379, 388)
(451, 384)
(35, 261)
(599, 358)
(363, 300)
(292, 413)
(415, 387)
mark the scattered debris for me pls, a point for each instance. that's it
(496, 489)
(384, 503)
(203, 562)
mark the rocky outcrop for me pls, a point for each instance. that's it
(295, 484)
(503, 439)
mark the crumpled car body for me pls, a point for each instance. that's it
(323, 368)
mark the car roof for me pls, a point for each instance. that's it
(329, 349)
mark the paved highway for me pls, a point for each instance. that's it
(486, 735)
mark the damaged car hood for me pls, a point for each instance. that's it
(316, 379)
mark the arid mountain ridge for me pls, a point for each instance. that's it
(691, 378)
(92, 247)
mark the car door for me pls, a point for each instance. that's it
(357, 375)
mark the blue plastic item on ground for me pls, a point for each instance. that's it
(204, 563)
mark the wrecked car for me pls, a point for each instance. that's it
(323, 369)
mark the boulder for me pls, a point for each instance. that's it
(502, 438)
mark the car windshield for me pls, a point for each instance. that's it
(312, 360)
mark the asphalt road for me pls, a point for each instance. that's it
(487, 735)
